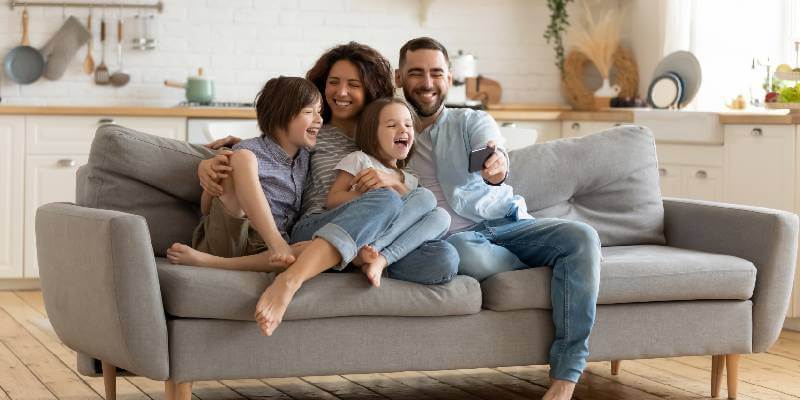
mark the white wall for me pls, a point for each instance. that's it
(242, 43)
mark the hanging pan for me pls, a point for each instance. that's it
(24, 64)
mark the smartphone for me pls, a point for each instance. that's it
(478, 157)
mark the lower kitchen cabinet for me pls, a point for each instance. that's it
(48, 179)
(760, 166)
(12, 145)
(691, 171)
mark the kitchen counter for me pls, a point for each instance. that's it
(505, 111)
(132, 111)
(779, 117)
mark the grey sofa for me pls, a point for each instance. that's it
(679, 277)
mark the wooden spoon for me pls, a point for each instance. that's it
(88, 63)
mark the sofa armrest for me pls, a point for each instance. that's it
(766, 237)
(100, 286)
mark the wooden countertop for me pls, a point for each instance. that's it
(752, 118)
(132, 111)
(506, 111)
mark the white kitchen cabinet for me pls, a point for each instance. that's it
(760, 166)
(12, 152)
(691, 171)
(48, 179)
(60, 134)
(583, 128)
(671, 178)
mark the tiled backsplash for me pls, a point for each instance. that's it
(242, 43)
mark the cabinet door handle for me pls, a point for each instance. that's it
(702, 174)
(66, 163)
(105, 121)
(662, 172)
(509, 125)
(757, 132)
(576, 126)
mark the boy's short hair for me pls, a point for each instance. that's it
(422, 43)
(281, 100)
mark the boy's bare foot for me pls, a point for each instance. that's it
(180, 253)
(374, 263)
(285, 260)
(559, 390)
(273, 303)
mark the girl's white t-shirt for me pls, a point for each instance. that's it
(356, 161)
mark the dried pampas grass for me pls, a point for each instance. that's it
(598, 38)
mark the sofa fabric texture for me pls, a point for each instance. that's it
(634, 274)
(194, 292)
(146, 175)
(608, 180)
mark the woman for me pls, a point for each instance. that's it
(349, 76)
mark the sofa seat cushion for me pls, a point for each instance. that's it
(633, 274)
(196, 292)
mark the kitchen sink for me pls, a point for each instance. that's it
(669, 126)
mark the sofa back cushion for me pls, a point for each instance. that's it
(608, 180)
(146, 175)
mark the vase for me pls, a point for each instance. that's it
(603, 96)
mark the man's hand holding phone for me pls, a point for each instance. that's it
(495, 167)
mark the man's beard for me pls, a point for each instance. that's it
(424, 113)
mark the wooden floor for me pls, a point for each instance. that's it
(34, 364)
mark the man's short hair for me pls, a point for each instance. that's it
(422, 43)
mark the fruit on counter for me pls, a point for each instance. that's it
(772, 97)
(790, 94)
(784, 68)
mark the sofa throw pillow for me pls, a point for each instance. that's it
(147, 175)
(608, 180)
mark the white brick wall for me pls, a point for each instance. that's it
(242, 43)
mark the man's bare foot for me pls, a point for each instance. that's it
(180, 253)
(273, 303)
(559, 390)
(374, 263)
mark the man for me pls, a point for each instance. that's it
(491, 228)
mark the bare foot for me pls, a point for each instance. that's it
(374, 263)
(180, 253)
(285, 260)
(559, 390)
(273, 303)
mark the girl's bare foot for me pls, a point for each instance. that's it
(559, 390)
(273, 303)
(180, 253)
(374, 263)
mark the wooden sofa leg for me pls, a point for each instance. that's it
(732, 366)
(615, 367)
(110, 380)
(178, 391)
(717, 367)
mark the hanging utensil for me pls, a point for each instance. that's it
(120, 78)
(88, 63)
(24, 64)
(101, 76)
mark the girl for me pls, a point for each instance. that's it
(385, 135)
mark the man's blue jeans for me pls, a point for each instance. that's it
(571, 248)
(362, 221)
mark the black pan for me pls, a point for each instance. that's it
(24, 64)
